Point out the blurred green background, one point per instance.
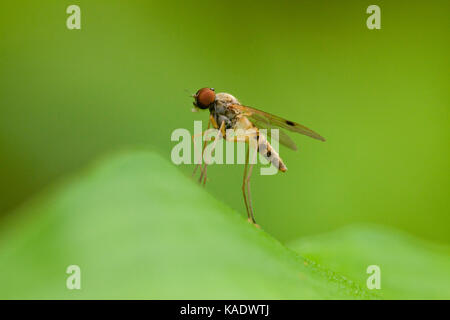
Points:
(380, 97)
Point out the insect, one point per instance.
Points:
(226, 112)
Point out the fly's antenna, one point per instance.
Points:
(189, 93)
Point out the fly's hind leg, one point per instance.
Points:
(249, 195)
(244, 185)
(247, 172)
(246, 188)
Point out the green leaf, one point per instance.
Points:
(138, 228)
(410, 268)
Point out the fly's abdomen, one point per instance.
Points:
(266, 150)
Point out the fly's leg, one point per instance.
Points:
(203, 150)
(216, 138)
(244, 184)
(249, 196)
(247, 172)
(204, 178)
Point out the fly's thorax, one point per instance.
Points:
(222, 102)
(220, 111)
(225, 99)
(222, 115)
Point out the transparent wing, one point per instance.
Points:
(268, 119)
(284, 139)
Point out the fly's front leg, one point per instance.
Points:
(203, 149)
(216, 138)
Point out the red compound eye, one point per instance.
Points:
(205, 97)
